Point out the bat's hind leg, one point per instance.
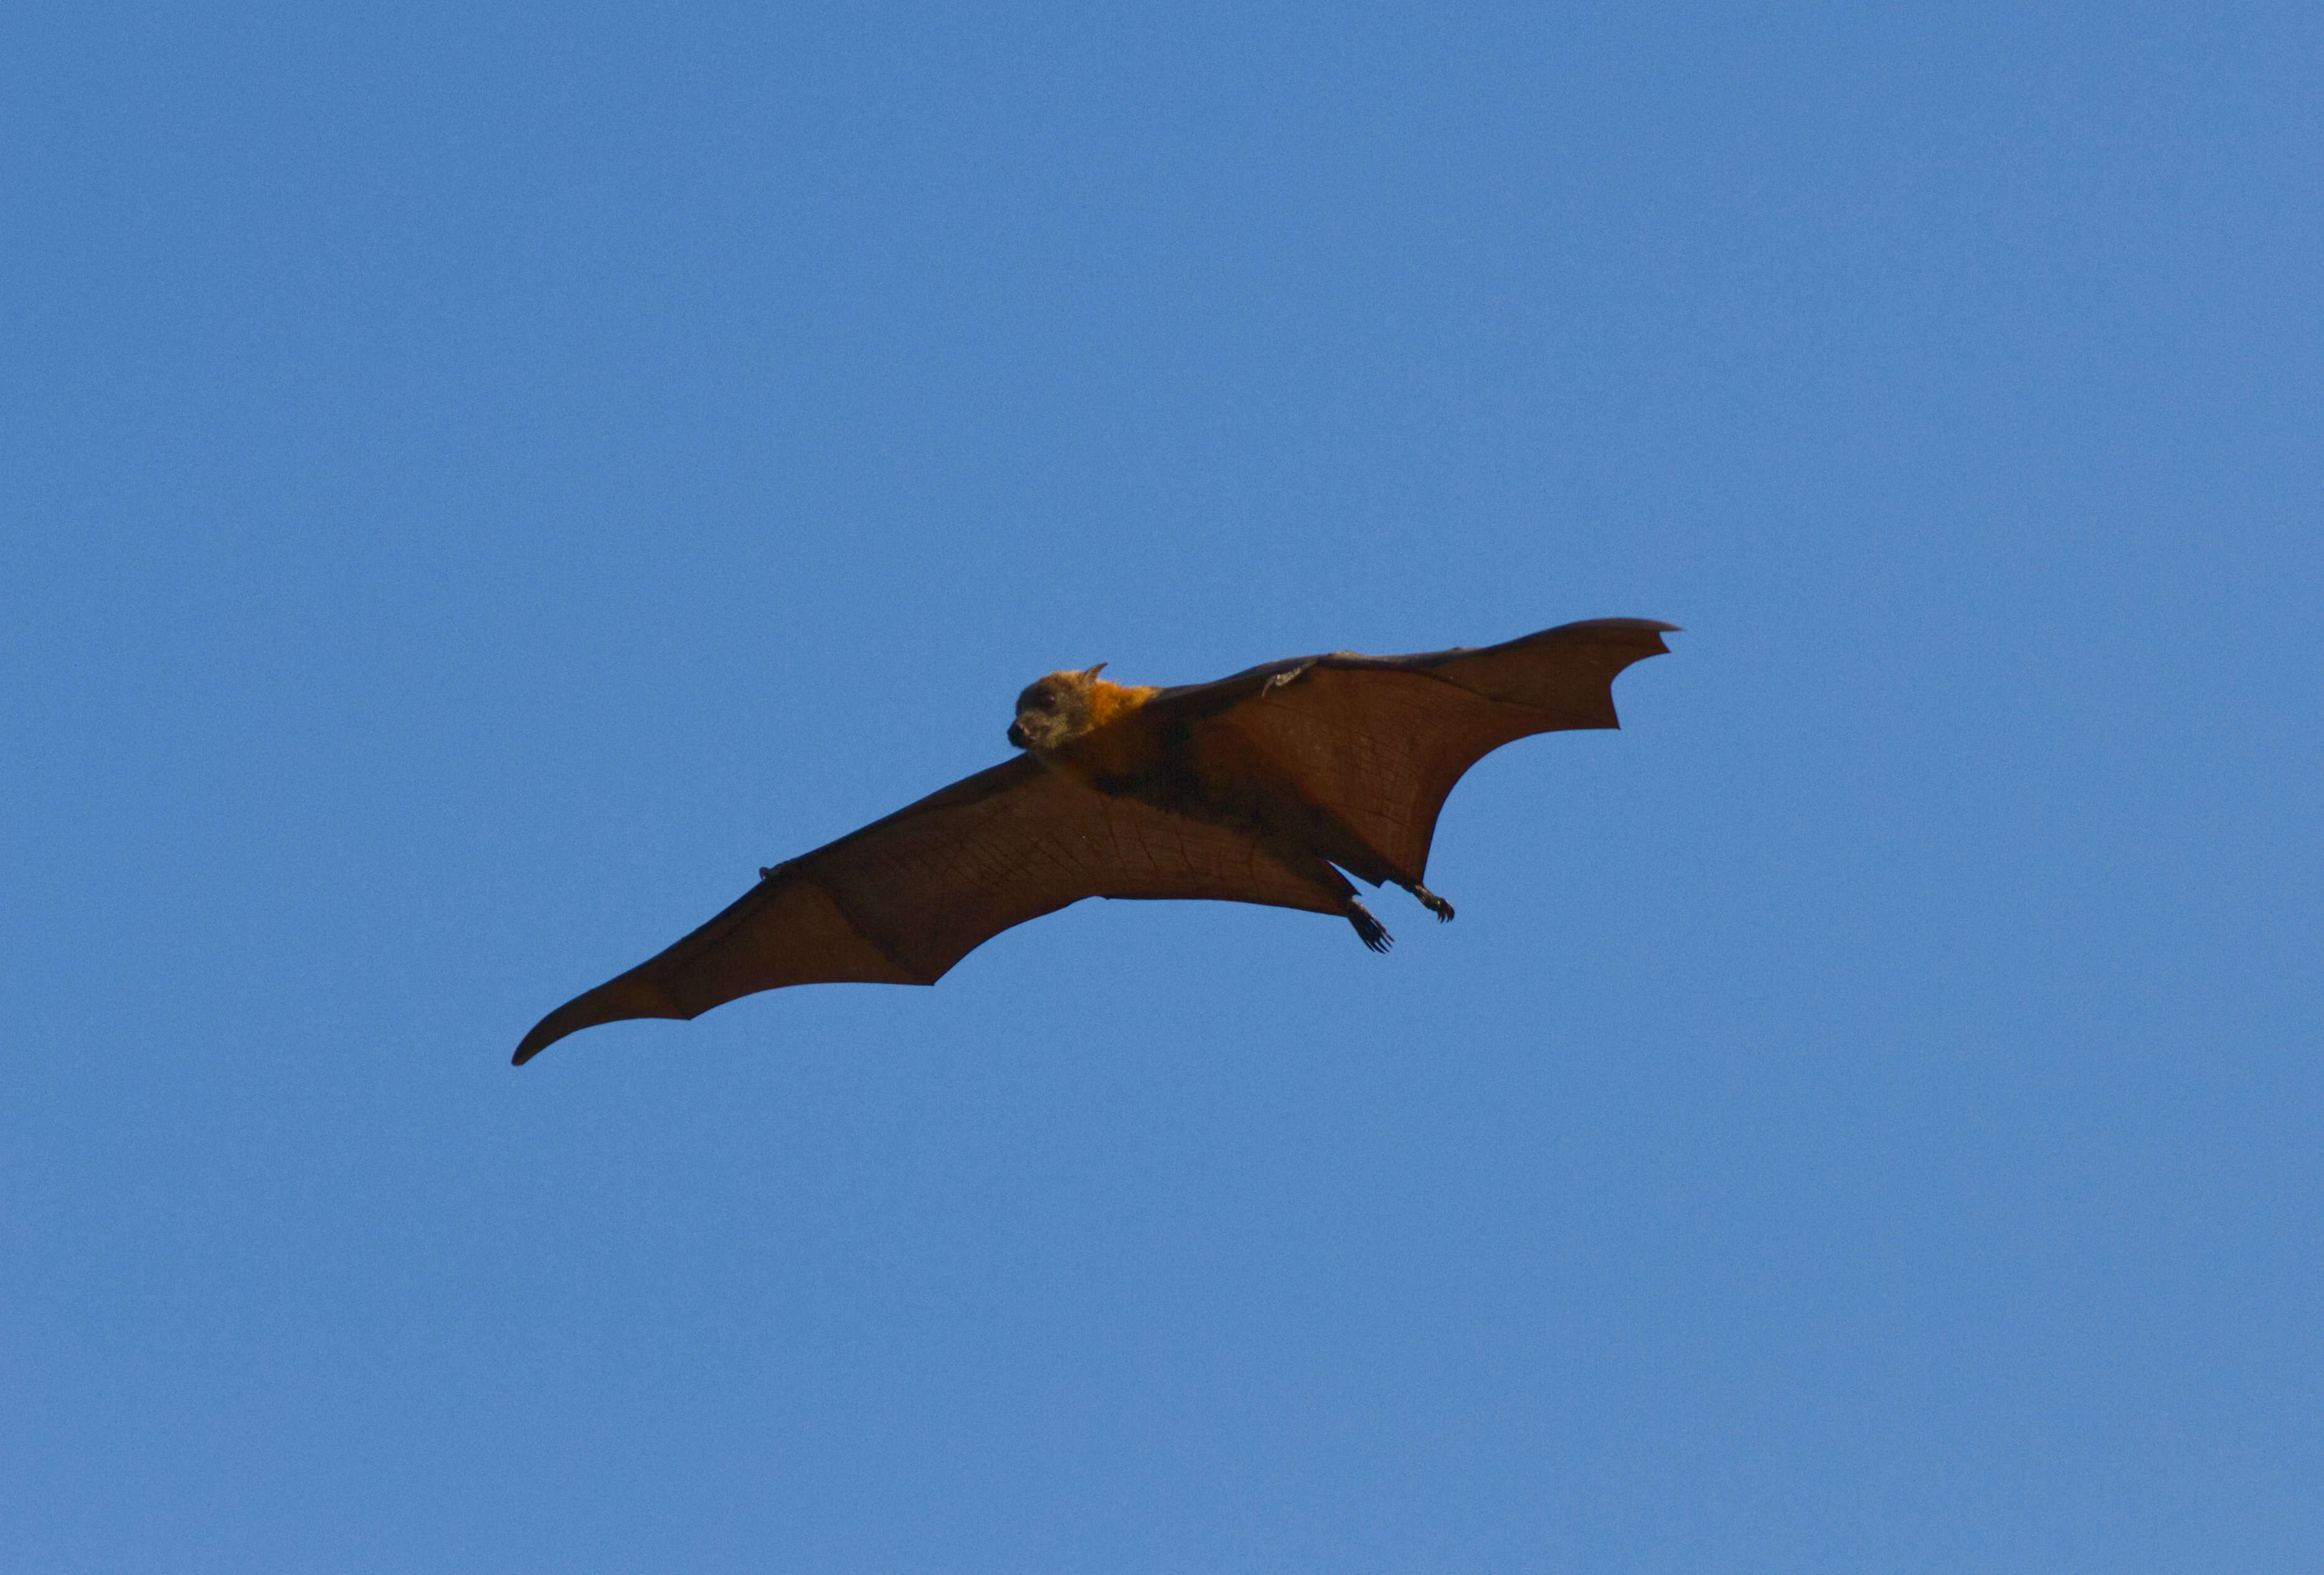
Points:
(1373, 933)
(1429, 901)
(1322, 872)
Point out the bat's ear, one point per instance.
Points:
(1094, 671)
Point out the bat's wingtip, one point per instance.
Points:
(616, 1001)
(534, 1042)
(1616, 628)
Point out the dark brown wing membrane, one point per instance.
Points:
(1377, 744)
(903, 900)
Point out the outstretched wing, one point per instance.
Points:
(903, 900)
(1374, 744)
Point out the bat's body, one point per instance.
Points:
(1110, 740)
(1262, 787)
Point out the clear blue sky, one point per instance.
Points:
(482, 479)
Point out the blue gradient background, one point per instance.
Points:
(481, 479)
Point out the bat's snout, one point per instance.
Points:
(1017, 738)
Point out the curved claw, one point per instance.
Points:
(1432, 902)
(1372, 933)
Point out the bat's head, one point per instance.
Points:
(1053, 712)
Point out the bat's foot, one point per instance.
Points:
(1432, 902)
(1374, 935)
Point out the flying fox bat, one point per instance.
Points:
(1262, 787)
